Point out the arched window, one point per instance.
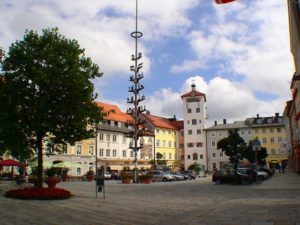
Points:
(195, 156)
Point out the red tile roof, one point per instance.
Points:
(193, 93)
(114, 113)
(160, 122)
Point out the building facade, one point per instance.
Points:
(194, 117)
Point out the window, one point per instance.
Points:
(115, 153)
(272, 140)
(190, 132)
(214, 165)
(213, 134)
(214, 155)
(190, 145)
(164, 143)
(79, 149)
(131, 154)
(200, 121)
(221, 154)
(157, 130)
(189, 156)
(220, 134)
(124, 153)
(199, 144)
(271, 130)
(114, 139)
(279, 139)
(195, 156)
(278, 130)
(170, 155)
(213, 143)
(201, 156)
(189, 110)
(198, 131)
(182, 133)
(197, 110)
(264, 140)
(107, 152)
(100, 136)
(157, 143)
(169, 132)
(194, 121)
(256, 131)
(78, 171)
(91, 149)
(249, 131)
(170, 144)
(107, 137)
(164, 155)
(264, 130)
(124, 139)
(175, 145)
(101, 152)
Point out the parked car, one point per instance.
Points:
(177, 176)
(160, 175)
(242, 176)
(270, 171)
(107, 175)
(261, 175)
(190, 173)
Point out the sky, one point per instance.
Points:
(237, 54)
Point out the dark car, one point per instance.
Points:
(242, 176)
(190, 173)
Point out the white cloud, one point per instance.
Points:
(251, 38)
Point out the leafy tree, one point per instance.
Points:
(234, 146)
(260, 156)
(196, 167)
(47, 96)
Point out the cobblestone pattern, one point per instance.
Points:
(199, 202)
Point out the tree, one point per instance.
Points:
(259, 158)
(233, 146)
(195, 167)
(47, 96)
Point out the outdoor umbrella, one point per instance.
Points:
(67, 164)
(9, 162)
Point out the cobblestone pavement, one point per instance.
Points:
(274, 202)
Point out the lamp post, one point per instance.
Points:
(256, 148)
(136, 98)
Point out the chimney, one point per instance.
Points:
(276, 115)
(148, 112)
(216, 123)
(257, 116)
(224, 121)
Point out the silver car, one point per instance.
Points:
(160, 176)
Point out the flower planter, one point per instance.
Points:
(127, 180)
(147, 180)
(90, 178)
(52, 181)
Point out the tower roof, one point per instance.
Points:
(193, 93)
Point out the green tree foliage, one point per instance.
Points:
(234, 147)
(46, 95)
(260, 156)
(196, 167)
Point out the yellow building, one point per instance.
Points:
(271, 133)
(166, 139)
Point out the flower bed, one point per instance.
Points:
(39, 194)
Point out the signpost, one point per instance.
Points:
(256, 148)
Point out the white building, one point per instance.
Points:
(194, 128)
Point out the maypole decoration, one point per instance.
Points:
(136, 98)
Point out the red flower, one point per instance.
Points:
(39, 193)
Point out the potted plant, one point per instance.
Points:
(64, 174)
(51, 179)
(90, 175)
(146, 178)
(127, 177)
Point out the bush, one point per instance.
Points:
(39, 194)
(196, 167)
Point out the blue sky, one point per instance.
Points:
(238, 53)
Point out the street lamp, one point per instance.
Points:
(256, 148)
